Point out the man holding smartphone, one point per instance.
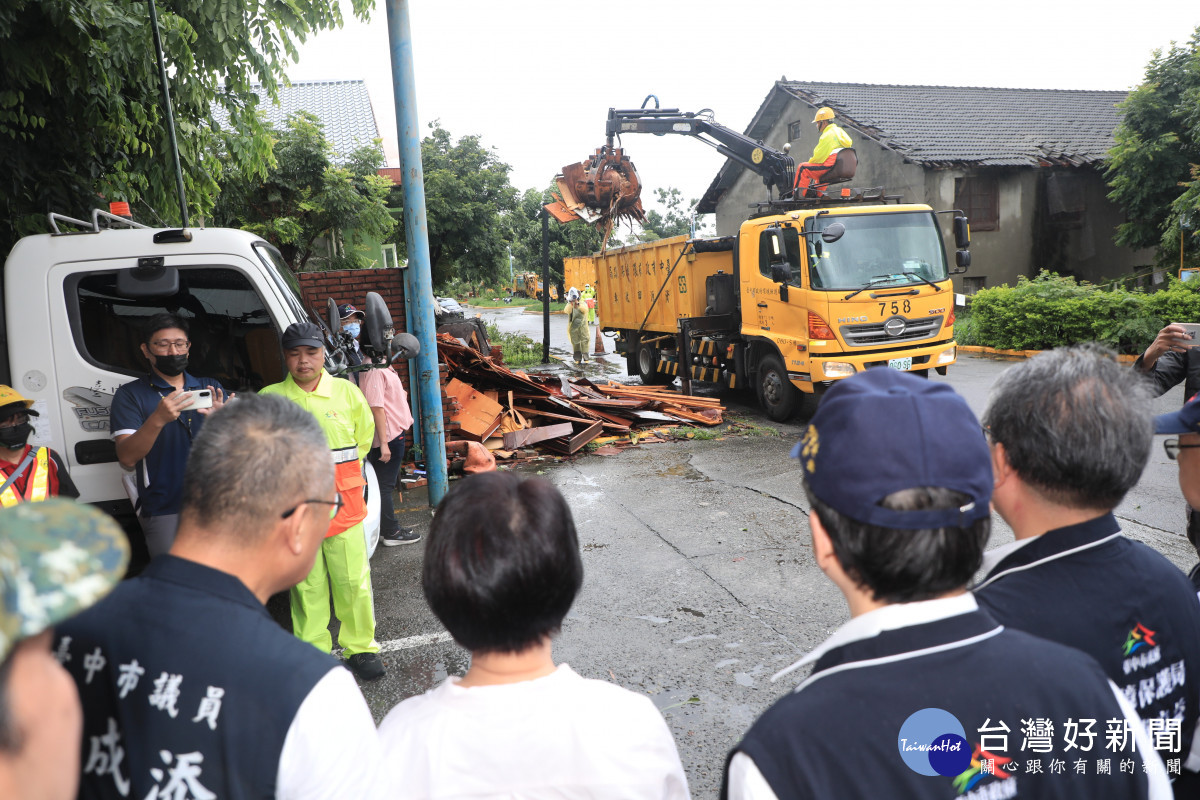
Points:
(1172, 359)
(153, 421)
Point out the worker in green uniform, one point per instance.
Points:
(342, 564)
(588, 295)
(832, 138)
(577, 327)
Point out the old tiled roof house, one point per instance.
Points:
(1026, 165)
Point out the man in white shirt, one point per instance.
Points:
(188, 686)
(922, 693)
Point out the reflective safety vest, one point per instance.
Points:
(37, 485)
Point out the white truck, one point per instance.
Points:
(73, 305)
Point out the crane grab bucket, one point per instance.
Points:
(601, 191)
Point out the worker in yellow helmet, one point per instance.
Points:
(833, 138)
(588, 295)
(27, 472)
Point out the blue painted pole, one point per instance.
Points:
(416, 230)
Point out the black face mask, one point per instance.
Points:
(15, 436)
(171, 365)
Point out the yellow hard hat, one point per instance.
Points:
(8, 396)
(824, 112)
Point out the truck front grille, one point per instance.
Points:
(876, 334)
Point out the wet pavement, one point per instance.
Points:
(699, 580)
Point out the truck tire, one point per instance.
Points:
(776, 394)
(646, 364)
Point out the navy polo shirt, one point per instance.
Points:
(160, 473)
(1119, 601)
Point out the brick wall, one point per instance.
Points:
(351, 286)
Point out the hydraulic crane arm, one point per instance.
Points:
(778, 169)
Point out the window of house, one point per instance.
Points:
(979, 199)
(795, 130)
(233, 337)
(972, 284)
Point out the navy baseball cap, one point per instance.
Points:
(302, 334)
(345, 310)
(882, 431)
(1185, 420)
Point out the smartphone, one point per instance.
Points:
(1193, 330)
(201, 398)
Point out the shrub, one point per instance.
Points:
(1052, 311)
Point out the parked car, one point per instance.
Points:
(450, 305)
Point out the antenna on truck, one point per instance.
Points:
(162, 73)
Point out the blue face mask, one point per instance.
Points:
(352, 328)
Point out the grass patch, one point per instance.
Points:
(518, 349)
(737, 425)
(497, 301)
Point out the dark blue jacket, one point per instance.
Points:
(1119, 601)
(156, 658)
(839, 734)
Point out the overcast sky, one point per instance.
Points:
(535, 78)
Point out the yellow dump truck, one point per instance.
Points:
(529, 284)
(806, 293)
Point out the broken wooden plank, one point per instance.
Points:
(478, 416)
(529, 436)
(573, 444)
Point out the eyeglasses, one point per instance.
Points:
(336, 502)
(167, 345)
(1172, 446)
(14, 420)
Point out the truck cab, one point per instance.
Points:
(71, 314)
(836, 305)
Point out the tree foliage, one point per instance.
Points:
(677, 221)
(81, 116)
(467, 201)
(1154, 168)
(570, 239)
(306, 197)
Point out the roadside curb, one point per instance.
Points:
(1018, 355)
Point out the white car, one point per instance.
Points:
(450, 305)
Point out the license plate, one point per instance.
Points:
(902, 364)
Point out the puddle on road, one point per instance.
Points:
(685, 471)
(675, 700)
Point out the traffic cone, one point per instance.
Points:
(599, 347)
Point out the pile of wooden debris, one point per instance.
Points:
(511, 411)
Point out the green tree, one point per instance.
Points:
(467, 202)
(570, 239)
(1153, 169)
(675, 222)
(81, 117)
(306, 197)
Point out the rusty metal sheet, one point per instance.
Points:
(478, 416)
(529, 436)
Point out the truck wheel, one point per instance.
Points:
(647, 366)
(776, 394)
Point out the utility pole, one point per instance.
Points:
(545, 215)
(416, 229)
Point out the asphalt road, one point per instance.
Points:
(699, 581)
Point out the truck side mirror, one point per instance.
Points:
(781, 273)
(963, 259)
(962, 233)
(832, 233)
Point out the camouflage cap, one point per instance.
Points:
(57, 558)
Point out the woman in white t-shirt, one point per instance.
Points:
(502, 569)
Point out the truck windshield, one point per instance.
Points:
(877, 250)
(285, 281)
